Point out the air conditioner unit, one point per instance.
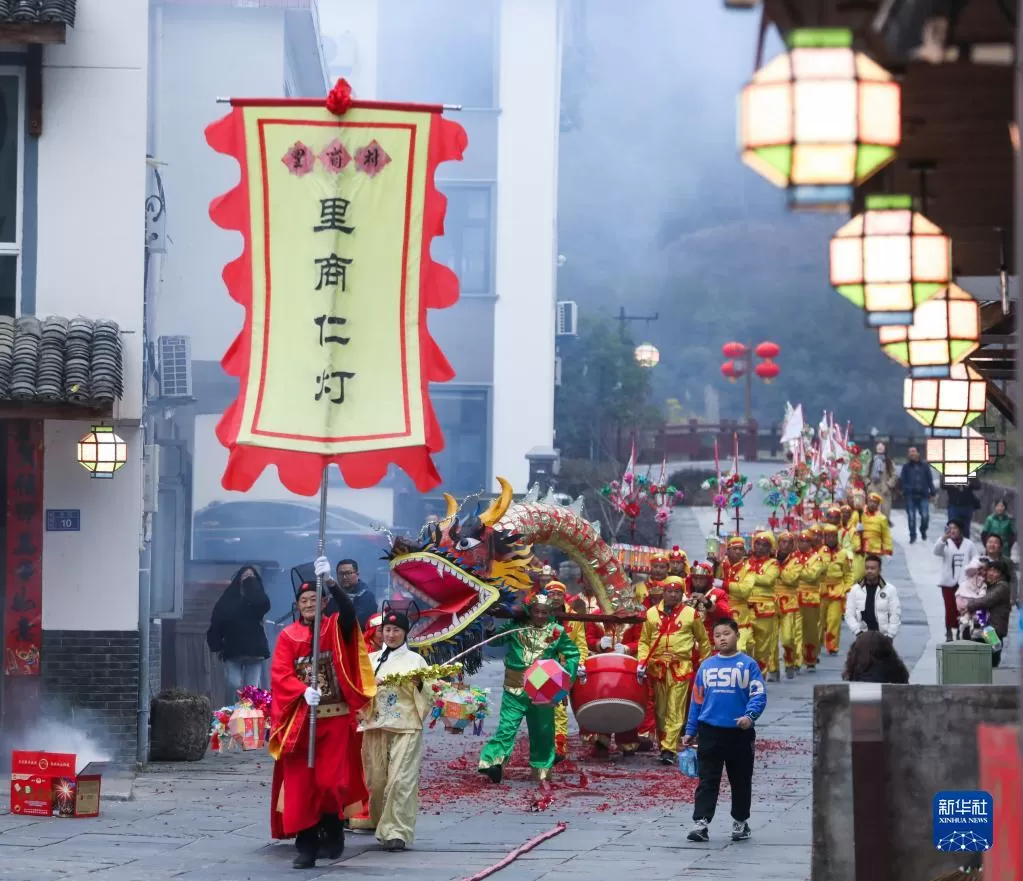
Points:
(175, 366)
(566, 318)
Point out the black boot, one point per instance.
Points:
(307, 843)
(332, 843)
(495, 772)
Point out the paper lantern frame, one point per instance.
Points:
(945, 331)
(946, 405)
(101, 452)
(647, 355)
(890, 259)
(820, 119)
(958, 459)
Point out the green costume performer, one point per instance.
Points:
(542, 638)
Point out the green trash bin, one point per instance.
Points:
(964, 662)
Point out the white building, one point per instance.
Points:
(72, 191)
(501, 61)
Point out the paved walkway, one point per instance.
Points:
(208, 820)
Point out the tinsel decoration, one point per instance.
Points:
(433, 672)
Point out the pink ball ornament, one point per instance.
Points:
(547, 683)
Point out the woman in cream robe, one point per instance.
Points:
(392, 746)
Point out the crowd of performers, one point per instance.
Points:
(786, 592)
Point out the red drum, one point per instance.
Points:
(612, 699)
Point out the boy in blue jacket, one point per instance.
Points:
(728, 697)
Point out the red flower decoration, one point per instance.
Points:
(339, 99)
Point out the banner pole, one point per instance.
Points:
(314, 669)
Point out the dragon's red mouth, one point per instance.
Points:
(453, 598)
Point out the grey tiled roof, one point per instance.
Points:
(54, 359)
(38, 12)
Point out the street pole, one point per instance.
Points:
(1019, 321)
(317, 620)
(749, 383)
(622, 318)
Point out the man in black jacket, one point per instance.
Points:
(358, 592)
(918, 488)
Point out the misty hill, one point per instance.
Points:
(658, 214)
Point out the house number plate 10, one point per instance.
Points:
(66, 520)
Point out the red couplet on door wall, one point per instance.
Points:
(23, 604)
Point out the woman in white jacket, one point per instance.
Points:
(873, 604)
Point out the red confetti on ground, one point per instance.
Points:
(586, 782)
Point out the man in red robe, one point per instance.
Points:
(309, 803)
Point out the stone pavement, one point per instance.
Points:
(209, 819)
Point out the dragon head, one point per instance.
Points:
(460, 570)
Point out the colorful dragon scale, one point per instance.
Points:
(464, 569)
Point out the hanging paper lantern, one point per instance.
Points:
(889, 259)
(730, 371)
(945, 330)
(820, 119)
(958, 459)
(547, 682)
(101, 452)
(646, 355)
(946, 405)
(767, 370)
(767, 350)
(733, 350)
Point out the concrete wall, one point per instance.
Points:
(930, 734)
(91, 198)
(92, 177)
(527, 217)
(91, 577)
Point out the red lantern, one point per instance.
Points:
(767, 370)
(733, 350)
(768, 350)
(728, 369)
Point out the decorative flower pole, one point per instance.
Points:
(633, 491)
(729, 490)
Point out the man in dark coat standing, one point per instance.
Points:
(918, 489)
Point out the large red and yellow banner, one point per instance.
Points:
(337, 213)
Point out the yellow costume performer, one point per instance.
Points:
(576, 631)
(876, 534)
(678, 562)
(810, 598)
(671, 632)
(758, 578)
(392, 746)
(870, 534)
(729, 571)
(836, 579)
(786, 592)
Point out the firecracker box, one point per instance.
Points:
(49, 785)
